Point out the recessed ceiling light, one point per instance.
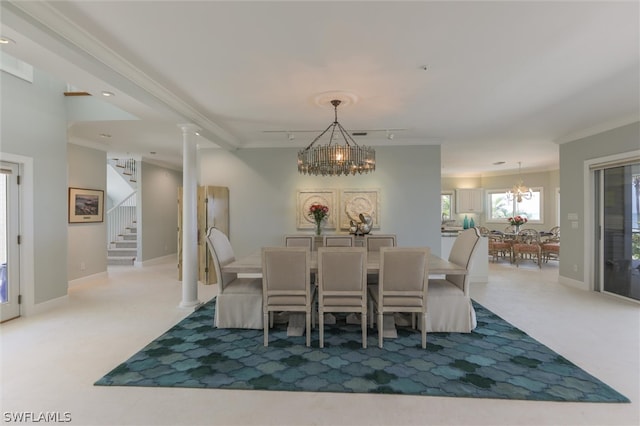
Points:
(107, 93)
(105, 135)
(497, 163)
(6, 40)
(197, 133)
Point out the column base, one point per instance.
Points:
(190, 304)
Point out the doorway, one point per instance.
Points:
(9, 241)
(618, 220)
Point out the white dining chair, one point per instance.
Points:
(338, 241)
(342, 284)
(300, 240)
(373, 242)
(402, 286)
(239, 300)
(285, 284)
(449, 307)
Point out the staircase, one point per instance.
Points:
(122, 177)
(123, 251)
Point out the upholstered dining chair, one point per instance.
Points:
(373, 242)
(527, 246)
(338, 241)
(402, 286)
(449, 307)
(239, 300)
(285, 284)
(299, 240)
(342, 284)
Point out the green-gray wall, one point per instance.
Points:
(158, 205)
(572, 162)
(263, 182)
(34, 125)
(87, 242)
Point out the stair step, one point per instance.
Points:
(122, 252)
(126, 244)
(120, 260)
(129, 237)
(132, 230)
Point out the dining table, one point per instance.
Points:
(252, 264)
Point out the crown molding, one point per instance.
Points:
(42, 22)
(600, 128)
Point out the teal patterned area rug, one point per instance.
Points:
(496, 360)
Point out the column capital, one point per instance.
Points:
(189, 128)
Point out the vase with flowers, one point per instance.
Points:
(318, 212)
(517, 221)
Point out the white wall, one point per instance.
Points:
(34, 125)
(87, 248)
(158, 211)
(263, 182)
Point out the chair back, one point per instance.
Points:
(285, 272)
(528, 236)
(510, 229)
(299, 240)
(375, 242)
(342, 270)
(222, 254)
(461, 253)
(337, 241)
(404, 272)
(484, 231)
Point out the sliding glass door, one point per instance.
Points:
(620, 230)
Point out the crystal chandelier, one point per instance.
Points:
(335, 159)
(519, 191)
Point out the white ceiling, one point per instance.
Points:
(505, 81)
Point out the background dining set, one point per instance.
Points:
(526, 244)
(376, 283)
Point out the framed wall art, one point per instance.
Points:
(356, 201)
(86, 205)
(306, 197)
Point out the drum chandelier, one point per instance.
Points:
(335, 158)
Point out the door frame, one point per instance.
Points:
(593, 244)
(26, 248)
(11, 308)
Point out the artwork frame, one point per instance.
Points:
(356, 201)
(306, 197)
(86, 205)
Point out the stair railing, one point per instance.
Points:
(120, 217)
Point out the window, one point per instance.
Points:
(500, 208)
(446, 205)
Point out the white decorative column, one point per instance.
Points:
(189, 217)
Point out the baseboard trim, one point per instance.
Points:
(83, 280)
(157, 260)
(570, 282)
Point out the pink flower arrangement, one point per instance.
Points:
(318, 212)
(518, 220)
